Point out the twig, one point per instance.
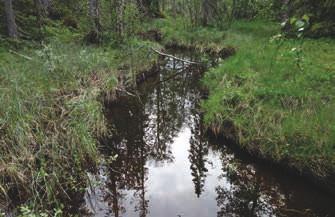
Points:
(125, 91)
(172, 76)
(176, 58)
(21, 55)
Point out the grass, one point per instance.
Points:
(51, 115)
(278, 95)
(179, 31)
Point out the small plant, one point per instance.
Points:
(26, 211)
(299, 28)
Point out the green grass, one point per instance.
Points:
(280, 100)
(51, 115)
(178, 30)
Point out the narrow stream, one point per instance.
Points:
(167, 167)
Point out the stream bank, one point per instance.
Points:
(160, 162)
(272, 107)
(52, 117)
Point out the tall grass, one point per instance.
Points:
(51, 116)
(279, 100)
(49, 119)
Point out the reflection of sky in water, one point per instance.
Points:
(171, 188)
(164, 157)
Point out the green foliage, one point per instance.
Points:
(322, 18)
(25, 211)
(278, 110)
(222, 13)
(132, 19)
(178, 31)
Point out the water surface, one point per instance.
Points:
(167, 167)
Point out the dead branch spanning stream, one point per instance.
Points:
(173, 57)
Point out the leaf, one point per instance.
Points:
(300, 24)
(293, 20)
(306, 18)
(301, 29)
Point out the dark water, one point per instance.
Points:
(167, 167)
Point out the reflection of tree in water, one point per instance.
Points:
(245, 194)
(144, 130)
(181, 103)
(198, 152)
(128, 171)
(161, 125)
(167, 107)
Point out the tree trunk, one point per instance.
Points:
(285, 13)
(95, 15)
(120, 6)
(40, 12)
(10, 17)
(174, 8)
(154, 10)
(46, 5)
(205, 12)
(149, 7)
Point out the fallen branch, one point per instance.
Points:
(21, 55)
(125, 91)
(173, 57)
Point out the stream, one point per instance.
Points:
(160, 163)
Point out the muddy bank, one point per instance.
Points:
(217, 52)
(228, 134)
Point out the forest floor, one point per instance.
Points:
(275, 97)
